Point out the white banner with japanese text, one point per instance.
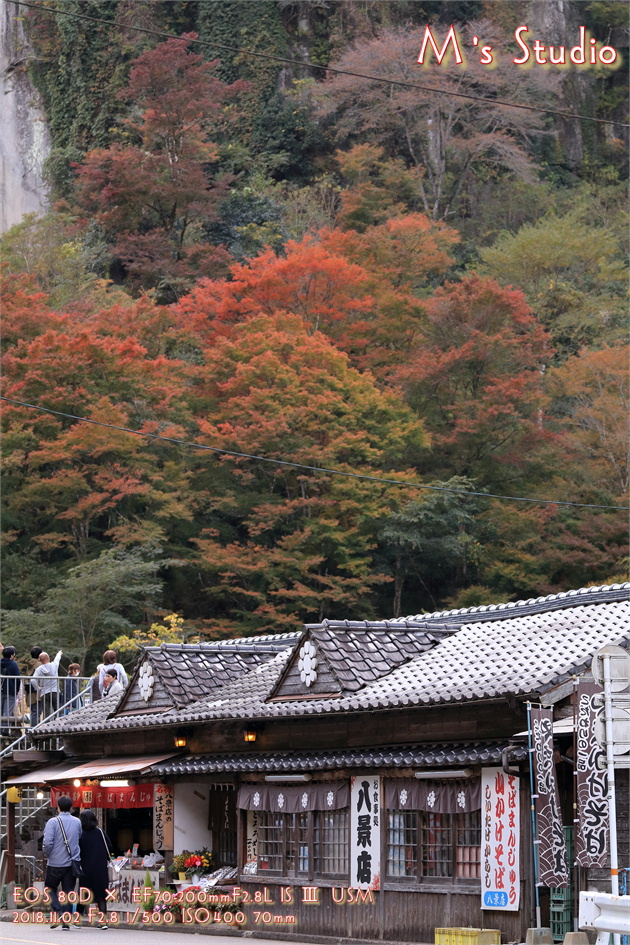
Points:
(365, 832)
(500, 841)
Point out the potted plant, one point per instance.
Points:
(199, 864)
(177, 866)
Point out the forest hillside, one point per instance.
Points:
(351, 343)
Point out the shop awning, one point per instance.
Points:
(107, 767)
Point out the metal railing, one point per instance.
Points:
(59, 700)
(30, 805)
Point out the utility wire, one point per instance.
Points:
(317, 469)
(312, 65)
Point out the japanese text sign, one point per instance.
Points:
(500, 840)
(365, 832)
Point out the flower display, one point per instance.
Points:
(199, 863)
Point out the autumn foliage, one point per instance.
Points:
(308, 400)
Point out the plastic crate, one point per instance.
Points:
(460, 936)
(560, 921)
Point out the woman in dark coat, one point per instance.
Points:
(95, 850)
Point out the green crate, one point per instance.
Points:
(560, 921)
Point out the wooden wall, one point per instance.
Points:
(417, 725)
(396, 915)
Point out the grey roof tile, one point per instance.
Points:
(517, 650)
(421, 756)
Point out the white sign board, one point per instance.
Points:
(130, 880)
(365, 832)
(500, 841)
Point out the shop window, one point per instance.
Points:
(289, 843)
(296, 831)
(402, 842)
(331, 842)
(283, 846)
(432, 846)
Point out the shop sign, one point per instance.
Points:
(120, 798)
(162, 816)
(251, 849)
(124, 882)
(500, 841)
(365, 832)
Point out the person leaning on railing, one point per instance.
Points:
(47, 685)
(71, 689)
(110, 661)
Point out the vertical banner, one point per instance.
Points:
(552, 854)
(365, 832)
(251, 849)
(500, 840)
(591, 839)
(163, 816)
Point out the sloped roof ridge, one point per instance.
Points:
(281, 640)
(573, 598)
(398, 623)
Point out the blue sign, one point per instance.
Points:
(495, 900)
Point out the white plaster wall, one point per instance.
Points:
(191, 805)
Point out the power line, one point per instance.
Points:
(312, 65)
(316, 469)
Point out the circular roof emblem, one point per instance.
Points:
(146, 681)
(308, 663)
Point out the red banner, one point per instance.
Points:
(135, 795)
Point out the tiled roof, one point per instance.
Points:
(515, 649)
(358, 657)
(193, 672)
(92, 716)
(427, 756)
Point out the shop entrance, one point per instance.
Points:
(126, 827)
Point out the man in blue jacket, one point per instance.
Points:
(60, 855)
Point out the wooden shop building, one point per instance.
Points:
(368, 780)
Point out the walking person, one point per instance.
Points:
(95, 848)
(46, 681)
(110, 661)
(61, 847)
(10, 672)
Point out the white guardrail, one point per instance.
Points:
(605, 913)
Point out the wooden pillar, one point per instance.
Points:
(10, 852)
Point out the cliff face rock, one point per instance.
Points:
(25, 140)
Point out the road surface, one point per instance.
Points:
(31, 934)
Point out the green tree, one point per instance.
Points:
(574, 274)
(435, 540)
(94, 600)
